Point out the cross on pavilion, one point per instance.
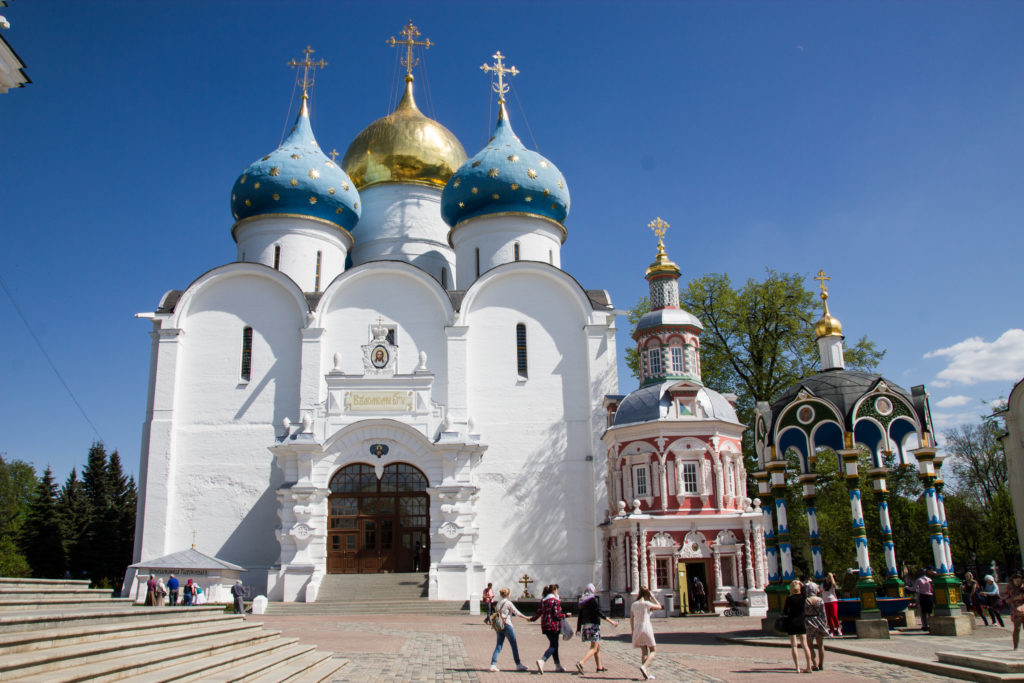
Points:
(526, 581)
(501, 87)
(659, 227)
(822, 278)
(410, 33)
(307, 64)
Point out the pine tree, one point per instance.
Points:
(74, 512)
(97, 539)
(17, 483)
(121, 519)
(42, 539)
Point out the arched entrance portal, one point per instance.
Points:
(378, 525)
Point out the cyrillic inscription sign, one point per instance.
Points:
(378, 401)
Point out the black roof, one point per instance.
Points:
(842, 388)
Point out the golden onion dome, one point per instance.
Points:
(404, 147)
(828, 326)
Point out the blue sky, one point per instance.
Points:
(879, 141)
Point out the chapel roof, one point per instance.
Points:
(187, 559)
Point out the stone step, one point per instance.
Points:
(39, 584)
(418, 606)
(229, 665)
(28, 641)
(137, 661)
(22, 603)
(310, 668)
(25, 594)
(65, 654)
(11, 622)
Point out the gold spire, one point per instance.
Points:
(827, 325)
(661, 263)
(307, 79)
(501, 87)
(410, 33)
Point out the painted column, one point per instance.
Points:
(893, 584)
(738, 566)
(777, 470)
(623, 561)
(663, 478)
(749, 564)
(642, 550)
(866, 586)
(810, 491)
(939, 485)
(945, 585)
(634, 565)
(771, 552)
(716, 563)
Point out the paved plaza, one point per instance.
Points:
(458, 648)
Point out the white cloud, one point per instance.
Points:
(954, 401)
(974, 360)
(943, 421)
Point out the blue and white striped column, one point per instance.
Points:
(810, 492)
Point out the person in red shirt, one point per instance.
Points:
(489, 601)
(551, 616)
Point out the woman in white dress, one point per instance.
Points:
(643, 632)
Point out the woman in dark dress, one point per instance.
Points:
(796, 627)
(589, 623)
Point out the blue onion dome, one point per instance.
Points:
(297, 178)
(505, 177)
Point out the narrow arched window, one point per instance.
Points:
(551, 257)
(515, 251)
(677, 360)
(521, 366)
(444, 278)
(246, 372)
(654, 361)
(277, 257)
(319, 262)
(478, 262)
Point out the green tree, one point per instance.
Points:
(74, 511)
(121, 519)
(97, 537)
(42, 539)
(977, 460)
(17, 484)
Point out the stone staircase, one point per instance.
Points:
(64, 631)
(370, 594)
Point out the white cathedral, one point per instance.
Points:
(394, 374)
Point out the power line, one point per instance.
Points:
(49, 360)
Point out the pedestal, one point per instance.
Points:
(894, 587)
(873, 628)
(757, 603)
(953, 625)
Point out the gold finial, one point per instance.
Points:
(501, 87)
(307, 64)
(334, 155)
(410, 33)
(661, 262)
(193, 539)
(827, 325)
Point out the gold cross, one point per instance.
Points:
(411, 33)
(193, 539)
(821, 278)
(659, 227)
(526, 581)
(307, 64)
(333, 155)
(501, 87)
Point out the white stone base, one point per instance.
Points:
(294, 583)
(757, 603)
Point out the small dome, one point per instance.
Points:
(653, 402)
(665, 317)
(297, 178)
(828, 326)
(505, 177)
(404, 147)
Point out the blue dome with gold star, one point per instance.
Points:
(505, 177)
(297, 178)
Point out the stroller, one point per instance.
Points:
(736, 608)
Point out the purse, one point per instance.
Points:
(566, 629)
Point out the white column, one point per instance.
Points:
(717, 561)
(458, 372)
(663, 476)
(634, 564)
(642, 547)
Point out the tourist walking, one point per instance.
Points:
(489, 602)
(925, 597)
(588, 624)
(700, 596)
(551, 616)
(501, 621)
(640, 625)
(831, 600)
(1015, 600)
(238, 593)
(172, 591)
(816, 624)
(993, 601)
(971, 591)
(796, 625)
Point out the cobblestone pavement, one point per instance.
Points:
(458, 648)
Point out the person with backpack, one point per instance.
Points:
(501, 622)
(551, 616)
(589, 622)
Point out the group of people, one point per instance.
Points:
(158, 593)
(554, 624)
(988, 598)
(809, 616)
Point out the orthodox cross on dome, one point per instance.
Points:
(501, 87)
(307, 64)
(659, 227)
(410, 33)
(822, 279)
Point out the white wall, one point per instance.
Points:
(299, 239)
(495, 237)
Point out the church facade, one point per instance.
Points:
(394, 373)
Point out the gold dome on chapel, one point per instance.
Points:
(827, 325)
(404, 147)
